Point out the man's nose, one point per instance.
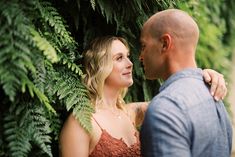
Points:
(141, 58)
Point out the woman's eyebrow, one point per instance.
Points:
(122, 53)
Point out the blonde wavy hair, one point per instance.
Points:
(98, 65)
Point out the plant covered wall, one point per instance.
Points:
(41, 64)
(39, 78)
(214, 50)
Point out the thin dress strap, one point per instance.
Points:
(97, 123)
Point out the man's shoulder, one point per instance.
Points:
(182, 93)
(185, 87)
(186, 77)
(164, 102)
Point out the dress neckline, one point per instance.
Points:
(105, 133)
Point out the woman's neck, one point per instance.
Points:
(110, 97)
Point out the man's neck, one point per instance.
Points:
(175, 67)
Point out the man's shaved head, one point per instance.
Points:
(175, 22)
(168, 39)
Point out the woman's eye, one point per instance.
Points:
(119, 58)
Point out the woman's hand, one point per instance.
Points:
(218, 85)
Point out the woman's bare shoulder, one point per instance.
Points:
(72, 128)
(74, 139)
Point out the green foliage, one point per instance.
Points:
(15, 55)
(68, 88)
(212, 52)
(26, 124)
(50, 16)
(36, 49)
(43, 45)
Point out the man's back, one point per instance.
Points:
(184, 120)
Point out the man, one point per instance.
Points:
(183, 120)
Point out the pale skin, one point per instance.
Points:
(76, 142)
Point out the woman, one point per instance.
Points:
(108, 75)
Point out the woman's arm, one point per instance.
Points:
(218, 90)
(74, 140)
(137, 111)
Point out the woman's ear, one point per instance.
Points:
(166, 42)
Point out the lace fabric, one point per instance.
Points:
(109, 146)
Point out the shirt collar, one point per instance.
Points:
(189, 72)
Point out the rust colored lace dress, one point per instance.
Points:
(109, 146)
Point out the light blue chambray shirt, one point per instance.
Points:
(184, 120)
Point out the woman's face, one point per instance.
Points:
(121, 75)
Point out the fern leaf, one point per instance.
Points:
(42, 97)
(51, 16)
(70, 89)
(17, 137)
(10, 84)
(26, 125)
(83, 115)
(72, 66)
(93, 4)
(64, 92)
(44, 46)
(41, 134)
(72, 99)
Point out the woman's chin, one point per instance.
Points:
(130, 83)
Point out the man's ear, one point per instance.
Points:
(166, 42)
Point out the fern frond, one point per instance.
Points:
(106, 8)
(83, 114)
(40, 135)
(41, 96)
(56, 125)
(39, 77)
(93, 4)
(50, 15)
(74, 95)
(43, 45)
(72, 66)
(68, 88)
(51, 31)
(15, 53)
(26, 125)
(16, 136)
(10, 82)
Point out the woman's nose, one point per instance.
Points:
(129, 63)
